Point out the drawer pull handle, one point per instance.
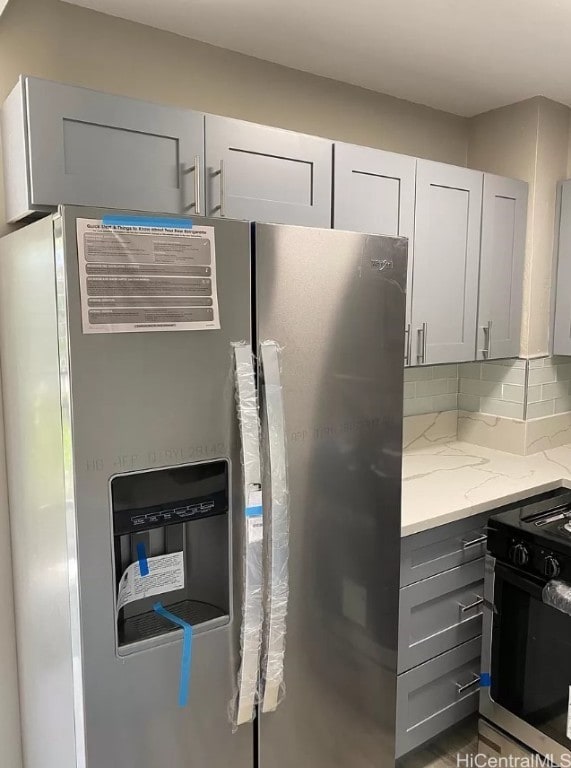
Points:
(461, 688)
(478, 601)
(474, 542)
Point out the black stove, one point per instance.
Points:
(535, 535)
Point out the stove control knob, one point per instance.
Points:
(551, 567)
(519, 554)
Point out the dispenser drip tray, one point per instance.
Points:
(148, 625)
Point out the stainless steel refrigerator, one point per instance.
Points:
(133, 441)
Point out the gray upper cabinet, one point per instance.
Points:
(504, 223)
(74, 145)
(267, 174)
(446, 263)
(374, 192)
(562, 331)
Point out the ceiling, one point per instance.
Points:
(463, 56)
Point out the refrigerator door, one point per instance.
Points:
(145, 401)
(335, 303)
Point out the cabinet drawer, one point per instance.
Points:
(439, 549)
(437, 694)
(439, 613)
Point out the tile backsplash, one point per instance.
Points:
(514, 389)
(430, 389)
(497, 387)
(549, 387)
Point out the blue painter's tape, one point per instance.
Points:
(186, 660)
(254, 511)
(485, 680)
(143, 562)
(158, 222)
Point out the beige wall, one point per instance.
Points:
(528, 140)
(64, 42)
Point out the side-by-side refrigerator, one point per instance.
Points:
(204, 435)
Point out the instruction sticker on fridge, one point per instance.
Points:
(166, 573)
(138, 277)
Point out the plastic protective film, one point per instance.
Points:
(243, 708)
(557, 594)
(277, 529)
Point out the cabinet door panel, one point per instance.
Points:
(90, 148)
(504, 222)
(446, 262)
(267, 174)
(374, 192)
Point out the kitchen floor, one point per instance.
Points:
(443, 752)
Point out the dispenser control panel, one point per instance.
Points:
(146, 500)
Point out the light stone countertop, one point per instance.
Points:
(446, 480)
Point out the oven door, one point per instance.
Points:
(527, 658)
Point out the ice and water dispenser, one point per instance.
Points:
(171, 535)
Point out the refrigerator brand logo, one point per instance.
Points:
(381, 264)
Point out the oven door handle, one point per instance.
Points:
(524, 581)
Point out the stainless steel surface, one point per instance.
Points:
(252, 608)
(467, 544)
(277, 527)
(478, 601)
(137, 401)
(421, 343)
(466, 686)
(408, 344)
(339, 321)
(197, 185)
(42, 557)
(70, 505)
(514, 726)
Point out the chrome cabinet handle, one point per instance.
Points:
(487, 351)
(197, 186)
(408, 345)
(221, 207)
(461, 688)
(474, 542)
(274, 642)
(421, 342)
(478, 601)
(252, 612)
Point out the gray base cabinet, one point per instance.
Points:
(267, 174)
(74, 145)
(440, 626)
(437, 694)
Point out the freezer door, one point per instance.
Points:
(146, 401)
(335, 303)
